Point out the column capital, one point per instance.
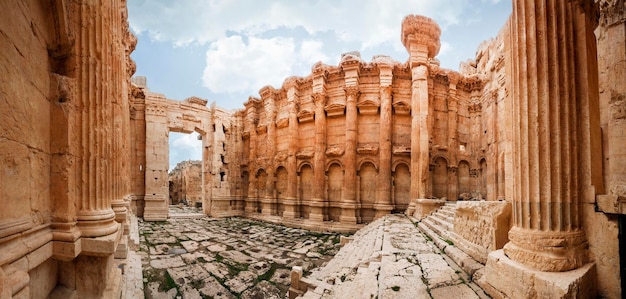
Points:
(319, 99)
(352, 92)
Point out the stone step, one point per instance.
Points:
(443, 224)
(444, 216)
(438, 229)
(447, 212)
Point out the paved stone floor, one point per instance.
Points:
(191, 257)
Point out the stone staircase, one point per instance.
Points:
(439, 226)
(441, 221)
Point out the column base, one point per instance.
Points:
(317, 210)
(349, 213)
(425, 206)
(382, 210)
(506, 278)
(266, 206)
(290, 208)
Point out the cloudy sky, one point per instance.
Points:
(226, 50)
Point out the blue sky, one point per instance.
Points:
(225, 51)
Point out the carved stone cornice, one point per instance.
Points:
(196, 100)
(282, 123)
(367, 149)
(305, 154)
(401, 150)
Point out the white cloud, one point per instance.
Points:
(184, 147)
(368, 22)
(234, 65)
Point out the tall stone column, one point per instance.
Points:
(268, 202)
(383, 204)
(250, 123)
(348, 201)
(453, 140)
(420, 36)
(554, 87)
(291, 204)
(317, 204)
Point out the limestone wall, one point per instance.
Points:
(64, 146)
(185, 183)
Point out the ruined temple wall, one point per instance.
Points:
(64, 146)
(185, 183)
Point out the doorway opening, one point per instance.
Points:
(185, 169)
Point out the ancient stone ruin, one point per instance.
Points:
(514, 166)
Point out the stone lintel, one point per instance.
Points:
(505, 278)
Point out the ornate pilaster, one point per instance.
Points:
(317, 203)
(348, 201)
(383, 204)
(268, 202)
(291, 204)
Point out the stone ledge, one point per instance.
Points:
(505, 278)
(102, 246)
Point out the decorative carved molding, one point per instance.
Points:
(305, 116)
(401, 150)
(282, 123)
(367, 149)
(401, 108)
(306, 153)
(335, 109)
(368, 107)
(196, 100)
(334, 151)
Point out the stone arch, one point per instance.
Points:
(433, 160)
(333, 161)
(440, 178)
(305, 188)
(304, 164)
(463, 173)
(367, 160)
(335, 186)
(367, 176)
(401, 177)
(399, 162)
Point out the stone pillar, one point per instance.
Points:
(291, 204)
(250, 123)
(349, 207)
(420, 36)
(453, 140)
(383, 204)
(317, 203)
(268, 202)
(157, 152)
(554, 78)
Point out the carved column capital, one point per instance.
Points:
(352, 92)
(319, 99)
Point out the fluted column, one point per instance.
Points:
(291, 204)
(267, 203)
(383, 204)
(554, 78)
(319, 159)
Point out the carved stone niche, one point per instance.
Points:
(334, 151)
(335, 109)
(367, 149)
(368, 107)
(401, 150)
(305, 116)
(401, 108)
(261, 129)
(282, 123)
(305, 153)
(245, 135)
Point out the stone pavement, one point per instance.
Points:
(226, 258)
(390, 258)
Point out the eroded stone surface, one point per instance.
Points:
(220, 261)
